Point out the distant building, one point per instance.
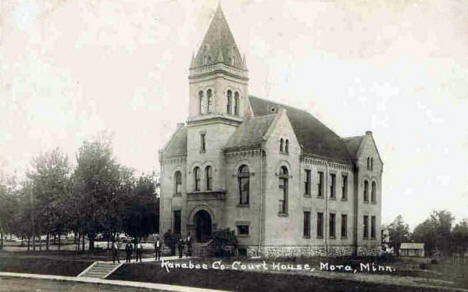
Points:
(286, 183)
(411, 249)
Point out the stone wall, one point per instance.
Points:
(308, 251)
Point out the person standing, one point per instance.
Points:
(157, 249)
(128, 251)
(189, 245)
(139, 251)
(180, 246)
(115, 252)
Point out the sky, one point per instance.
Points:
(71, 69)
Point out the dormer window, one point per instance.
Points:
(286, 146)
(281, 145)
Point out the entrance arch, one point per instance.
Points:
(202, 222)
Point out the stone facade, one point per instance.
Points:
(297, 168)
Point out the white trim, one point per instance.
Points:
(113, 270)
(87, 269)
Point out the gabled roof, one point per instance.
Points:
(353, 144)
(250, 133)
(219, 45)
(177, 145)
(315, 138)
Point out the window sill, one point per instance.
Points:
(202, 151)
(366, 202)
(177, 195)
(280, 214)
(374, 203)
(306, 236)
(333, 198)
(307, 196)
(319, 197)
(243, 206)
(242, 235)
(319, 237)
(344, 237)
(332, 237)
(344, 199)
(284, 153)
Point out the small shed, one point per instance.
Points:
(412, 249)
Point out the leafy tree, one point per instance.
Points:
(399, 232)
(96, 180)
(50, 177)
(460, 237)
(435, 232)
(140, 217)
(8, 207)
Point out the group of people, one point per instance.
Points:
(129, 249)
(182, 242)
(158, 246)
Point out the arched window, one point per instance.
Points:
(178, 182)
(209, 95)
(281, 145)
(366, 191)
(236, 103)
(202, 101)
(196, 176)
(244, 184)
(229, 102)
(283, 185)
(286, 147)
(209, 178)
(373, 192)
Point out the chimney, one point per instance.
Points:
(368, 133)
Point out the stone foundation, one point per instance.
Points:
(309, 251)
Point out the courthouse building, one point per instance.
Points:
(284, 182)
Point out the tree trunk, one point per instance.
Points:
(29, 242)
(34, 242)
(47, 241)
(83, 249)
(77, 242)
(1, 240)
(59, 235)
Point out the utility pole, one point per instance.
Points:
(32, 216)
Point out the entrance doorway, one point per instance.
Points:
(203, 225)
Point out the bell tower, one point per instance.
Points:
(218, 76)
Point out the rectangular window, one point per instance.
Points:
(320, 184)
(177, 222)
(332, 225)
(203, 142)
(344, 188)
(307, 183)
(344, 226)
(333, 186)
(242, 229)
(373, 227)
(306, 224)
(366, 227)
(320, 224)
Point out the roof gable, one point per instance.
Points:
(353, 144)
(250, 133)
(314, 137)
(177, 145)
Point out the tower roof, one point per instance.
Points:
(219, 45)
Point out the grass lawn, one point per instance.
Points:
(247, 281)
(42, 263)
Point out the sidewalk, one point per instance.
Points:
(152, 286)
(151, 259)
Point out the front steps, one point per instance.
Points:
(100, 270)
